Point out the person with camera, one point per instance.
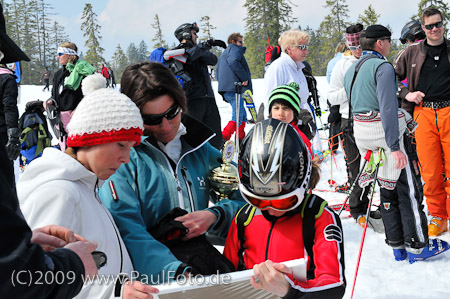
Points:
(201, 103)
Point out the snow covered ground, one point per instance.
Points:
(380, 276)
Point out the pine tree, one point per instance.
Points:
(159, 38)
(206, 28)
(330, 33)
(265, 18)
(91, 31)
(57, 36)
(370, 17)
(119, 62)
(143, 52)
(27, 23)
(439, 4)
(132, 53)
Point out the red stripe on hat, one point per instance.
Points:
(132, 134)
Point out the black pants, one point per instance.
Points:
(206, 111)
(47, 82)
(402, 210)
(8, 169)
(359, 199)
(334, 119)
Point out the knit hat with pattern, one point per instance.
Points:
(286, 95)
(103, 116)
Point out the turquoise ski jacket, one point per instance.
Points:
(150, 185)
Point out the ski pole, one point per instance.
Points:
(372, 191)
(237, 87)
(366, 159)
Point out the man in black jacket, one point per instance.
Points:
(9, 115)
(201, 102)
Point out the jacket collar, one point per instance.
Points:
(292, 64)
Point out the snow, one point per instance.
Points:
(380, 276)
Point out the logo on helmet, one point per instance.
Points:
(268, 174)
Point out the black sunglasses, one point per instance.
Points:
(156, 119)
(386, 38)
(431, 26)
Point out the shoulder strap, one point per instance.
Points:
(312, 209)
(358, 66)
(243, 218)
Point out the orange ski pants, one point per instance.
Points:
(433, 150)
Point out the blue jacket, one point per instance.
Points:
(146, 189)
(233, 67)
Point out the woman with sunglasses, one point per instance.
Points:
(288, 68)
(167, 170)
(282, 221)
(66, 89)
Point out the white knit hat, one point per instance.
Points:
(103, 116)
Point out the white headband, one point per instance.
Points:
(67, 51)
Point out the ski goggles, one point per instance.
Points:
(303, 47)
(283, 202)
(354, 48)
(431, 26)
(156, 119)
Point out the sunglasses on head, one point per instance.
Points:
(354, 48)
(431, 26)
(284, 202)
(156, 119)
(303, 47)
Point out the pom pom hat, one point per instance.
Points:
(103, 116)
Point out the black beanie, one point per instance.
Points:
(377, 31)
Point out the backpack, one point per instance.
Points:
(35, 135)
(268, 52)
(174, 60)
(311, 208)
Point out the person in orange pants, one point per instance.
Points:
(426, 65)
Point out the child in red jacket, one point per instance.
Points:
(283, 221)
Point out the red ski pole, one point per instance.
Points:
(366, 159)
(365, 225)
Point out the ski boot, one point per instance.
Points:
(229, 130)
(437, 226)
(400, 254)
(241, 131)
(434, 247)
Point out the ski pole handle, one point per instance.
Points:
(237, 87)
(368, 154)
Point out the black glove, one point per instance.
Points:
(318, 112)
(13, 145)
(216, 43)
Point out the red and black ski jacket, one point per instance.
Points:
(283, 239)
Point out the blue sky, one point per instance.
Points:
(126, 21)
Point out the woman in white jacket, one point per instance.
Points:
(338, 96)
(61, 187)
